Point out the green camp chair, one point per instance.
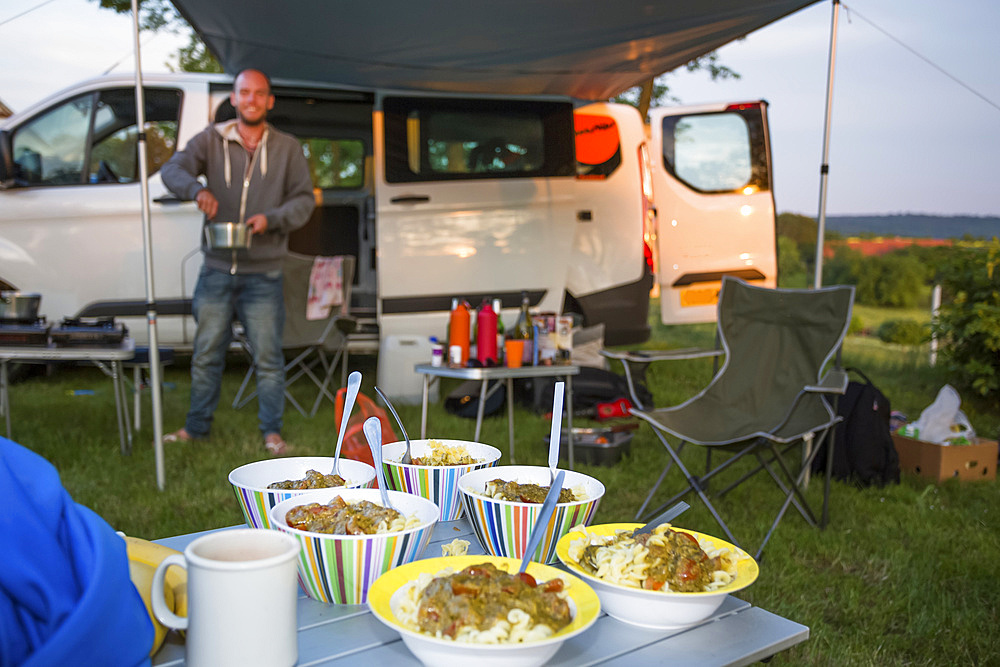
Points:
(776, 389)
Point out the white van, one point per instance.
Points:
(437, 196)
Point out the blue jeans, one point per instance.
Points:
(257, 300)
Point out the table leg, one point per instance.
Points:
(4, 394)
(510, 416)
(423, 409)
(482, 408)
(569, 418)
(121, 412)
(137, 395)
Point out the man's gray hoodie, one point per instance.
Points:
(277, 184)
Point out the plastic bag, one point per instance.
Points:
(942, 422)
(355, 444)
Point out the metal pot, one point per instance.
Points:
(227, 235)
(19, 306)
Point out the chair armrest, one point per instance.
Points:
(645, 357)
(834, 382)
(649, 356)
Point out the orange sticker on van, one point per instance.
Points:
(596, 138)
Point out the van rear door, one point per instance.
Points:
(712, 188)
(474, 199)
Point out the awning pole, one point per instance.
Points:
(155, 380)
(824, 169)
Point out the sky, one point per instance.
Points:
(905, 136)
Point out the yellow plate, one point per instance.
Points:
(747, 569)
(588, 606)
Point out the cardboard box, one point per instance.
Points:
(940, 462)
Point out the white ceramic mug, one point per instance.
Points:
(242, 598)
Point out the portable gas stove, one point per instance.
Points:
(17, 332)
(87, 331)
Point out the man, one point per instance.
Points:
(258, 176)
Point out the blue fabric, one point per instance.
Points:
(257, 301)
(65, 593)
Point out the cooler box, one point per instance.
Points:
(397, 356)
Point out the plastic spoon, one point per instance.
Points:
(373, 433)
(353, 385)
(548, 506)
(556, 433)
(406, 455)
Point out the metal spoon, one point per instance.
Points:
(406, 455)
(666, 517)
(556, 433)
(353, 385)
(373, 433)
(544, 514)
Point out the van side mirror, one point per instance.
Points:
(6, 161)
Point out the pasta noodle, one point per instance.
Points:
(456, 547)
(441, 454)
(621, 560)
(515, 627)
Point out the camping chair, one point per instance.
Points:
(317, 344)
(776, 388)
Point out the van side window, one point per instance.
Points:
(433, 139)
(93, 139)
(335, 164)
(716, 152)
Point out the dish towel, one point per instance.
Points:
(326, 287)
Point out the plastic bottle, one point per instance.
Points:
(500, 331)
(486, 334)
(458, 329)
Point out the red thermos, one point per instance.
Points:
(486, 336)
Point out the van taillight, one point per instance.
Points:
(742, 105)
(648, 208)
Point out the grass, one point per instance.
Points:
(901, 576)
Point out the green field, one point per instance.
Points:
(896, 579)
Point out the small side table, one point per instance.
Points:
(567, 371)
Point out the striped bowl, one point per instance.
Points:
(436, 483)
(340, 569)
(256, 500)
(503, 527)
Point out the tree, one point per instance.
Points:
(969, 320)
(160, 15)
(660, 94)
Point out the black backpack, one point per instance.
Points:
(863, 449)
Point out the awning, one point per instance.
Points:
(589, 49)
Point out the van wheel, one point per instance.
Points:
(21, 372)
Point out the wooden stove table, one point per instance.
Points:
(349, 635)
(109, 359)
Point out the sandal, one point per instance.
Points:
(275, 445)
(180, 435)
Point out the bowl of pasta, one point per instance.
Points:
(671, 578)
(478, 610)
(436, 467)
(348, 538)
(502, 504)
(261, 485)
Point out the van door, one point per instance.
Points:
(712, 188)
(611, 271)
(474, 199)
(71, 224)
